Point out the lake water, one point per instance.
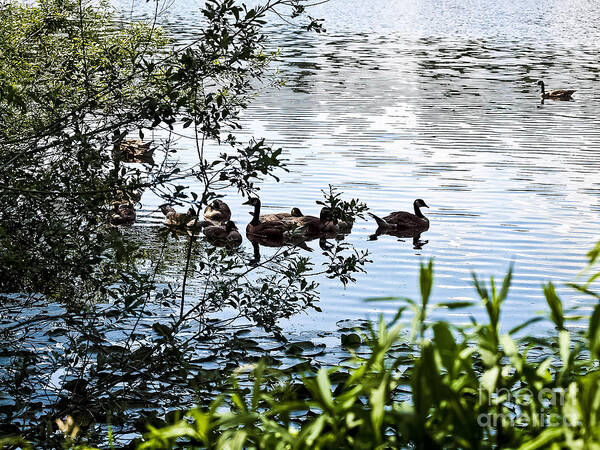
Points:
(436, 100)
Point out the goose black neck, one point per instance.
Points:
(542, 85)
(418, 212)
(256, 214)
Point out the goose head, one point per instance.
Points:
(254, 201)
(420, 203)
(230, 226)
(541, 83)
(218, 204)
(325, 215)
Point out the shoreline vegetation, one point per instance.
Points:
(460, 387)
(436, 386)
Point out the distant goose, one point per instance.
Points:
(402, 220)
(561, 94)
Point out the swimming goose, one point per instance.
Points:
(402, 220)
(127, 196)
(314, 226)
(122, 214)
(344, 226)
(561, 94)
(217, 212)
(271, 229)
(134, 150)
(175, 219)
(226, 234)
(295, 212)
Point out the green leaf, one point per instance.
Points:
(426, 281)
(564, 341)
(489, 379)
(524, 325)
(324, 388)
(505, 285)
(594, 331)
(544, 439)
(377, 401)
(556, 310)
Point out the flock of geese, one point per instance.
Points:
(284, 228)
(272, 229)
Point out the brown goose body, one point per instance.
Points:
(135, 150)
(402, 220)
(295, 212)
(314, 226)
(344, 226)
(122, 214)
(218, 212)
(560, 94)
(274, 230)
(196, 224)
(270, 229)
(175, 219)
(226, 234)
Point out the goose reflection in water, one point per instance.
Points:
(257, 243)
(291, 241)
(415, 235)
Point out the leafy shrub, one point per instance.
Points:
(446, 387)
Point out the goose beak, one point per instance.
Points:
(425, 205)
(248, 202)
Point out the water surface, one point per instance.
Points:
(437, 100)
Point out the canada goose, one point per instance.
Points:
(175, 219)
(127, 196)
(295, 212)
(271, 229)
(561, 94)
(122, 214)
(344, 226)
(314, 226)
(195, 224)
(217, 212)
(134, 150)
(227, 234)
(401, 220)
